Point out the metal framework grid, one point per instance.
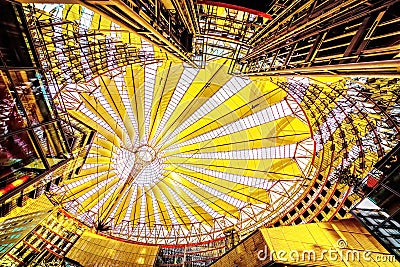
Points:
(325, 37)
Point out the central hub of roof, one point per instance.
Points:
(145, 166)
(146, 153)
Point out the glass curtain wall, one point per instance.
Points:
(31, 137)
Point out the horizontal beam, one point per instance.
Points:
(239, 8)
(387, 68)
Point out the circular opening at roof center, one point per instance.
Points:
(146, 153)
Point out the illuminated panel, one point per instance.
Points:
(91, 249)
(306, 244)
(172, 160)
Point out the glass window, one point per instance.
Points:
(386, 199)
(18, 157)
(394, 181)
(52, 143)
(12, 42)
(33, 95)
(11, 115)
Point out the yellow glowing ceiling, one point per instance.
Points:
(185, 155)
(180, 151)
(181, 155)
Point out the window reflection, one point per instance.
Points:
(50, 139)
(18, 157)
(33, 97)
(11, 118)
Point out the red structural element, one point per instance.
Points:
(13, 185)
(193, 244)
(372, 181)
(240, 8)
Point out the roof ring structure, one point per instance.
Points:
(182, 154)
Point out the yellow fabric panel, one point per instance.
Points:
(275, 133)
(136, 206)
(214, 202)
(198, 212)
(239, 191)
(289, 125)
(123, 207)
(94, 106)
(250, 168)
(98, 160)
(130, 38)
(95, 25)
(100, 22)
(111, 93)
(191, 101)
(239, 106)
(134, 80)
(105, 23)
(92, 200)
(236, 141)
(72, 12)
(179, 213)
(101, 152)
(111, 203)
(149, 213)
(162, 209)
(243, 167)
(220, 13)
(163, 93)
(326, 79)
(89, 171)
(97, 127)
(286, 165)
(265, 86)
(204, 85)
(80, 190)
(104, 143)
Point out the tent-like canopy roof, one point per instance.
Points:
(181, 152)
(185, 155)
(181, 155)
